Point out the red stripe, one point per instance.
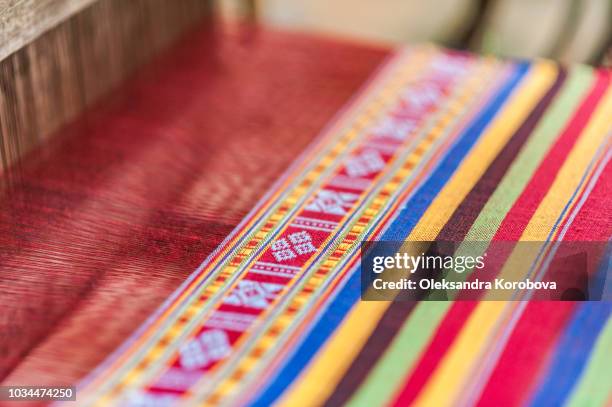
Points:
(510, 229)
(443, 339)
(594, 221)
(529, 346)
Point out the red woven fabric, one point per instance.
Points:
(101, 225)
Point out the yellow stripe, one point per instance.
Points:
(319, 380)
(456, 367)
(313, 388)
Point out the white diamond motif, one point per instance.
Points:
(366, 163)
(332, 202)
(299, 243)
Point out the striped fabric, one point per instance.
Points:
(438, 145)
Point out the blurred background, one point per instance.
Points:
(59, 56)
(566, 30)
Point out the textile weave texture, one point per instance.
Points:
(438, 145)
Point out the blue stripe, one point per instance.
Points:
(572, 353)
(398, 230)
(600, 287)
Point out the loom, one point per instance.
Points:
(151, 152)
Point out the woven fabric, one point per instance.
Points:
(438, 145)
(101, 224)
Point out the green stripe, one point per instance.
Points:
(398, 359)
(593, 389)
